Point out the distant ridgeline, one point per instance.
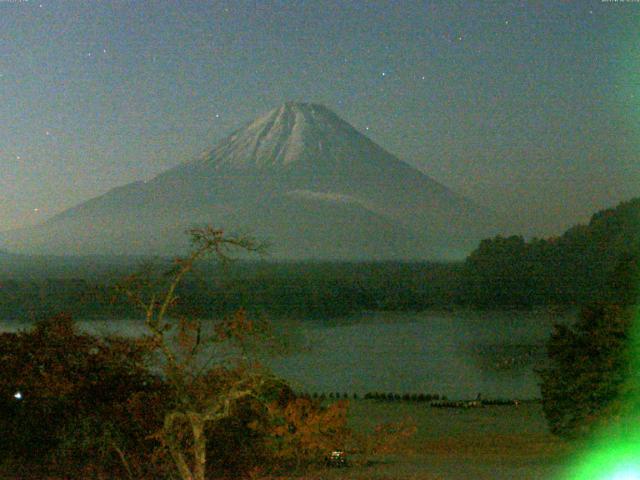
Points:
(598, 261)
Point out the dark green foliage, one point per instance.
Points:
(588, 365)
(595, 261)
(624, 283)
(280, 289)
(407, 397)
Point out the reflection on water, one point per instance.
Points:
(458, 355)
(501, 357)
(455, 354)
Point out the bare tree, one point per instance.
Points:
(201, 394)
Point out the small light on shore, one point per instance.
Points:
(17, 395)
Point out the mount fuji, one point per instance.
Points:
(299, 177)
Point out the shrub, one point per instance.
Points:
(73, 390)
(588, 366)
(304, 432)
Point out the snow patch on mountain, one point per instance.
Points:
(324, 196)
(291, 134)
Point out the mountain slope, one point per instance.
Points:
(299, 176)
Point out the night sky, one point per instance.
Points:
(531, 108)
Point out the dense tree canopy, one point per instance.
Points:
(594, 261)
(589, 369)
(64, 397)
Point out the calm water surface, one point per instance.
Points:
(454, 354)
(458, 355)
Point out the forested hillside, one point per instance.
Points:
(590, 262)
(300, 289)
(598, 261)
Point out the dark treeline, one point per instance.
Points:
(406, 397)
(432, 399)
(326, 289)
(590, 262)
(290, 289)
(594, 262)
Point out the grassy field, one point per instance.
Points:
(506, 442)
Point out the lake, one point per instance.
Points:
(457, 354)
(454, 354)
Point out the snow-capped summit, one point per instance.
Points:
(291, 133)
(299, 176)
(305, 136)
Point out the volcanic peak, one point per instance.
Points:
(292, 133)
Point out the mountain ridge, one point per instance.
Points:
(299, 168)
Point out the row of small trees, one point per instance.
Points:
(407, 397)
